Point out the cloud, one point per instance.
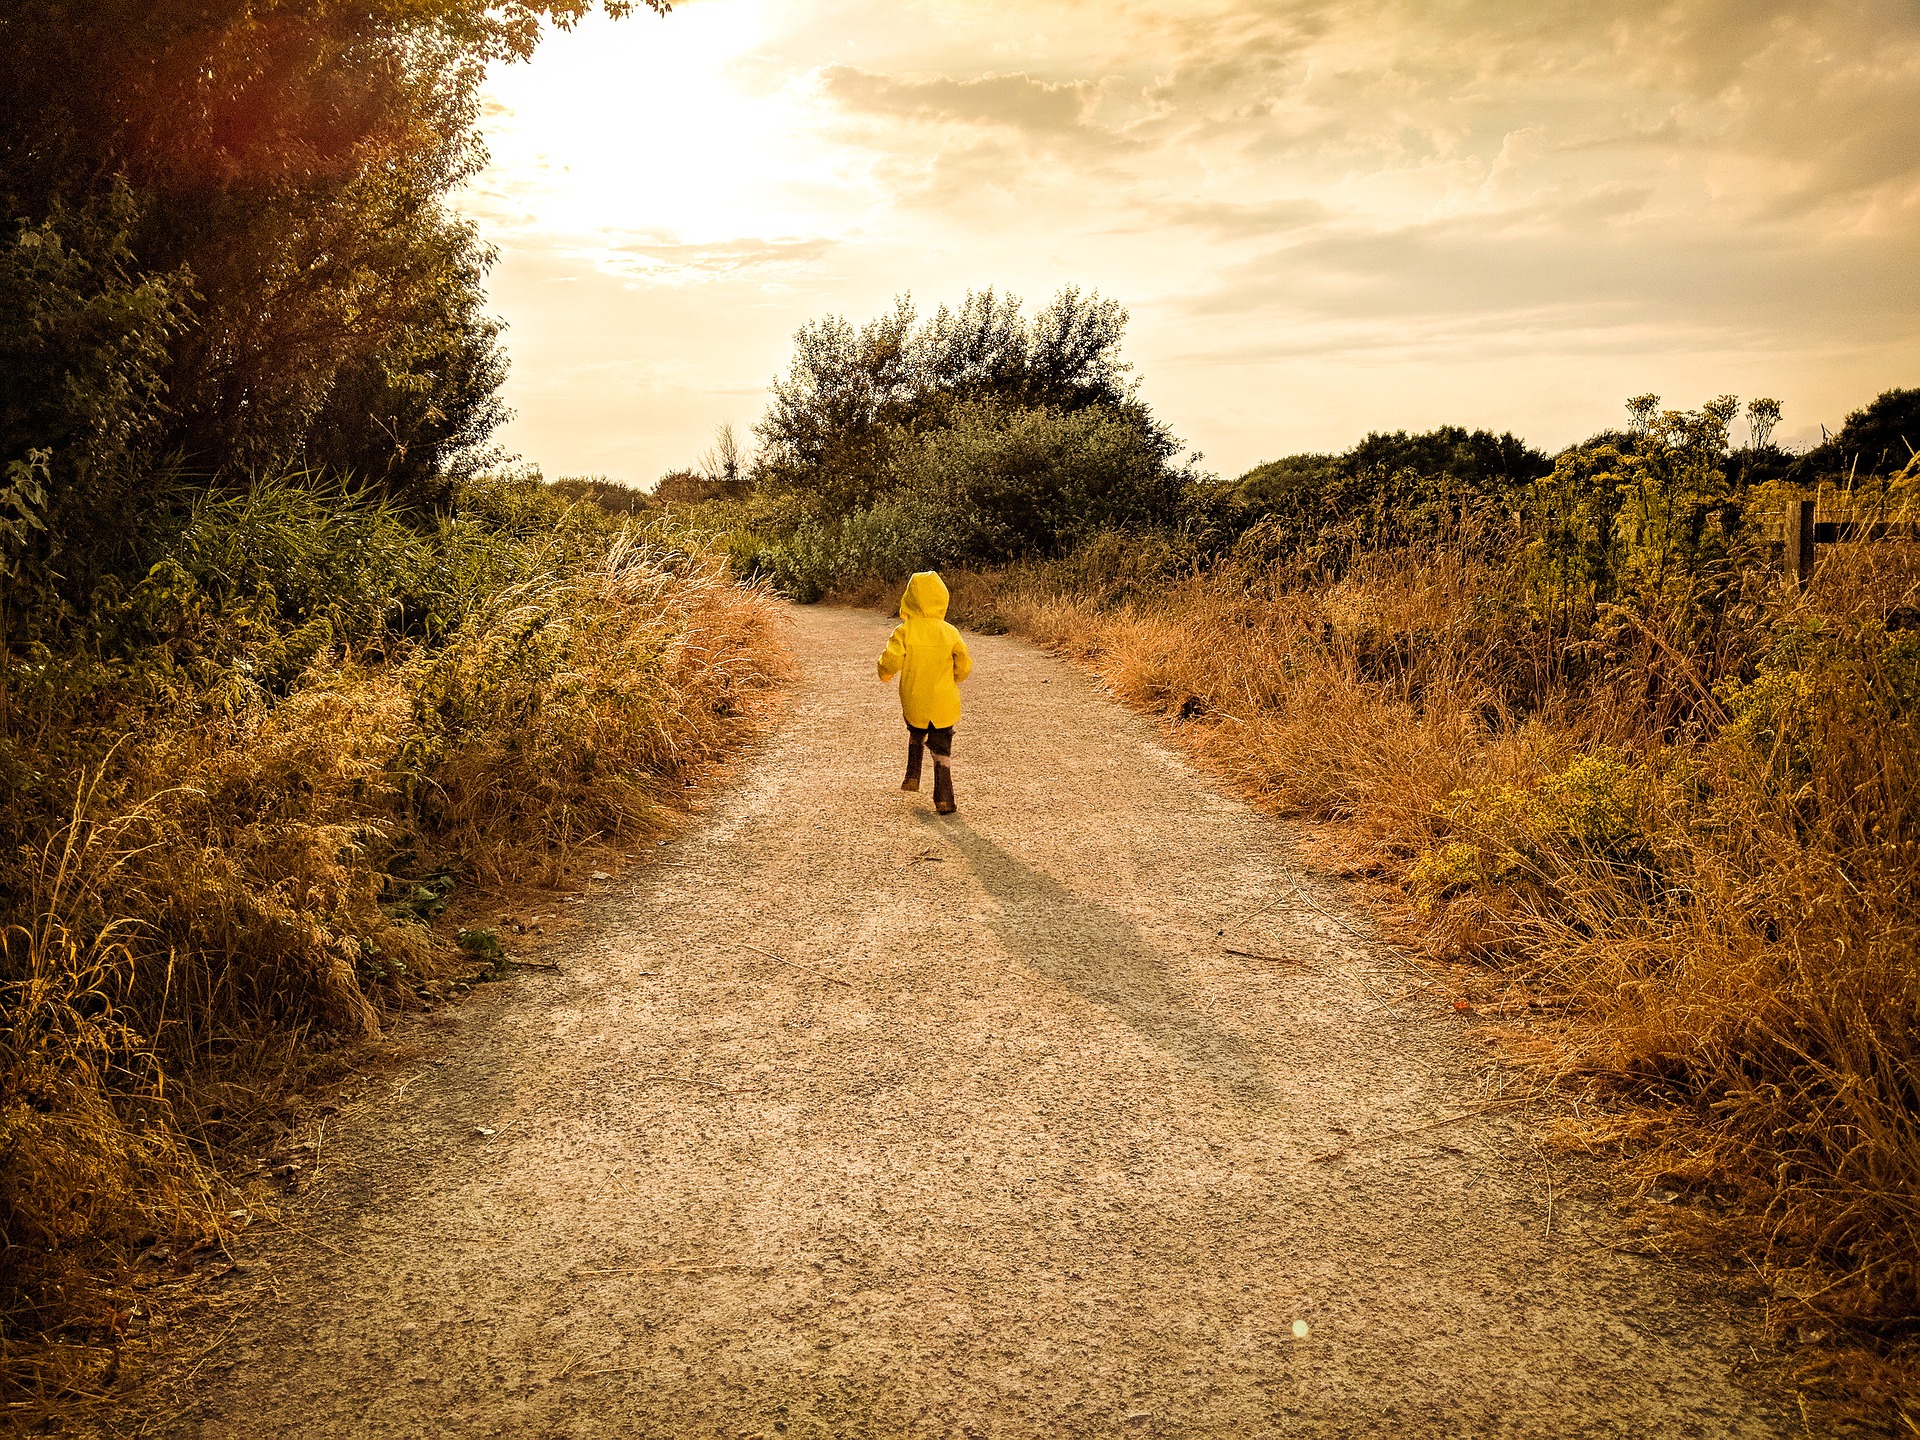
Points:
(669, 261)
(1480, 276)
(1811, 102)
(1035, 108)
(1392, 211)
(1230, 221)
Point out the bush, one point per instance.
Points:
(1584, 819)
(978, 438)
(1317, 513)
(612, 496)
(234, 823)
(994, 486)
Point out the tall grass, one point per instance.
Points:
(1698, 856)
(249, 849)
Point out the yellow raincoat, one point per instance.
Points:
(927, 654)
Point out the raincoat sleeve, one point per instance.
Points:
(962, 661)
(895, 655)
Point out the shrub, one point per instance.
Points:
(1585, 819)
(298, 733)
(994, 486)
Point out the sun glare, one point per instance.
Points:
(638, 143)
(1329, 214)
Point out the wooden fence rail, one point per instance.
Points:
(1801, 530)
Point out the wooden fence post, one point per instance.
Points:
(1799, 538)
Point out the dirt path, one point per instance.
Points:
(1040, 1160)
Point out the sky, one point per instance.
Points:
(1323, 218)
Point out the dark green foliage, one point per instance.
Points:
(978, 437)
(993, 485)
(419, 899)
(852, 399)
(693, 487)
(414, 415)
(1474, 459)
(1066, 358)
(1321, 511)
(225, 254)
(1279, 484)
(85, 336)
(483, 945)
(1877, 440)
(1462, 459)
(610, 495)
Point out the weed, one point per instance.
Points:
(1704, 844)
(483, 945)
(238, 827)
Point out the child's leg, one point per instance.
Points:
(940, 741)
(916, 744)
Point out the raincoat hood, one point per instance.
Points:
(926, 598)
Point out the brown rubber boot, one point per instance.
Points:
(915, 749)
(942, 786)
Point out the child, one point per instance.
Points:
(931, 659)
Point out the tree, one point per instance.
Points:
(225, 250)
(1877, 439)
(851, 397)
(418, 413)
(1067, 357)
(726, 468)
(1389, 488)
(826, 429)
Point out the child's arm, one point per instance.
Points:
(895, 655)
(962, 661)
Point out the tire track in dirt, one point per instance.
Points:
(1021, 1152)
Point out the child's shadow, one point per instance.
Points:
(1097, 954)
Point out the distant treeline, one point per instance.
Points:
(981, 436)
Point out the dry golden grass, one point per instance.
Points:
(1728, 908)
(212, 917)
(651, 675)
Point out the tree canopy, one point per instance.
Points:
(850, 394)
(225, 252)
(1880, 438)
(979, 435)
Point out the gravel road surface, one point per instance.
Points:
(1005, 1142)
